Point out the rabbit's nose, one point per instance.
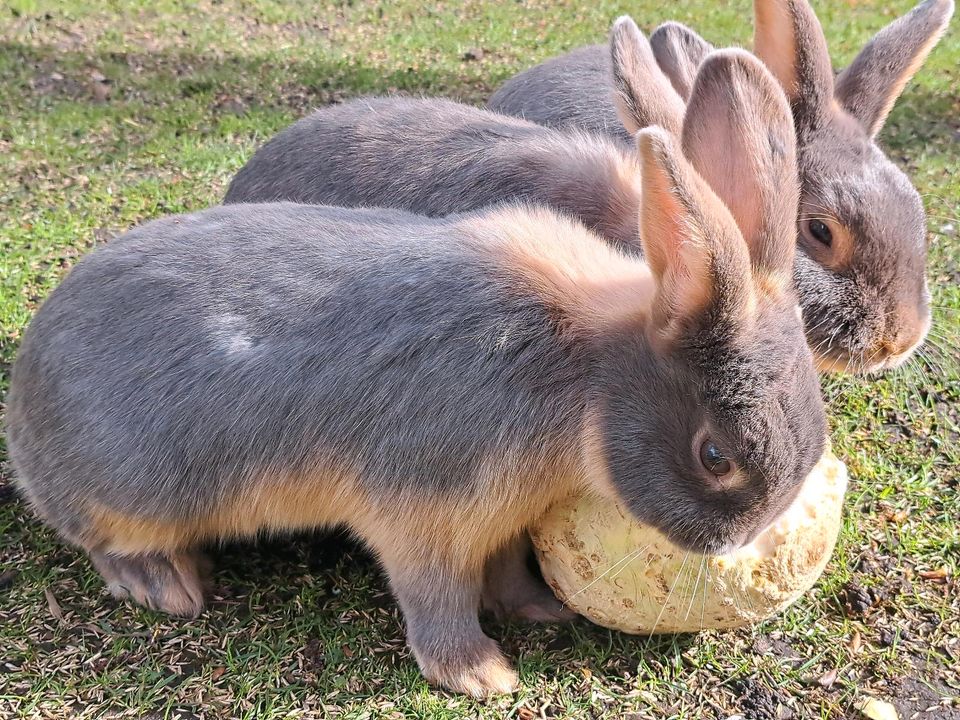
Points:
(909, 330)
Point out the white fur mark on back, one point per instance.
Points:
(231, 334)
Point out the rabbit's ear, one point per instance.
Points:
(789, 40)
(689, 240)
(739, 135)
(642, 93)
(871, 84)
(679, 52)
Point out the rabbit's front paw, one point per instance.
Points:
(511, 592)
(478, 670)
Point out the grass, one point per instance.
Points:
(116, 112)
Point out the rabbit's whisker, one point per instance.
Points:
(626, 564)
(673, 587)
(696, 586)
(625, 560)
(703, 596)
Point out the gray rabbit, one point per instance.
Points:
(436, 156)
(861, 229)
(431, 384)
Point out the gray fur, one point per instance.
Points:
(121, 383)
(577, 90)
(574, 90)
(868, 87)
(679, 51)
(865, 317)
(190, 360)
(435, 157)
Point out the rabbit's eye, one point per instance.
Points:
(821, 232)
(713, 459)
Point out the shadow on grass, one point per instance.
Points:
(333, 556)
(313, 79)
(48, 74)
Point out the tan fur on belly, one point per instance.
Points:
(464, 531)
(510, 494)
(272, 505)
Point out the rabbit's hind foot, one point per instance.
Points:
(169, 582)
(512, 592)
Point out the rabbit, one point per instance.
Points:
(436, 157)
(861, 231)
(431, 384)
(574, 90)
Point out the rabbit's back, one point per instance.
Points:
(436, 157)
(574, 90)
(428, 156)
(176, 368)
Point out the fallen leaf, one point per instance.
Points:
(526, 713)
(895, 516)
(939, 575)
(217, 673)
(855, 642)
(52, 604)
(875, 709)
(828, 678)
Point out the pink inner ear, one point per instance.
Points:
(660, 221)
(685, 288)
(775, 42)
(679, 217)
(738, 134)
(729, 167)
(691, 284)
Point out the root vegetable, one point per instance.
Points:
(630, 577)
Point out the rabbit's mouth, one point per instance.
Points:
(866, 353)
(841, 361)
(835, 362)
(896, 359)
